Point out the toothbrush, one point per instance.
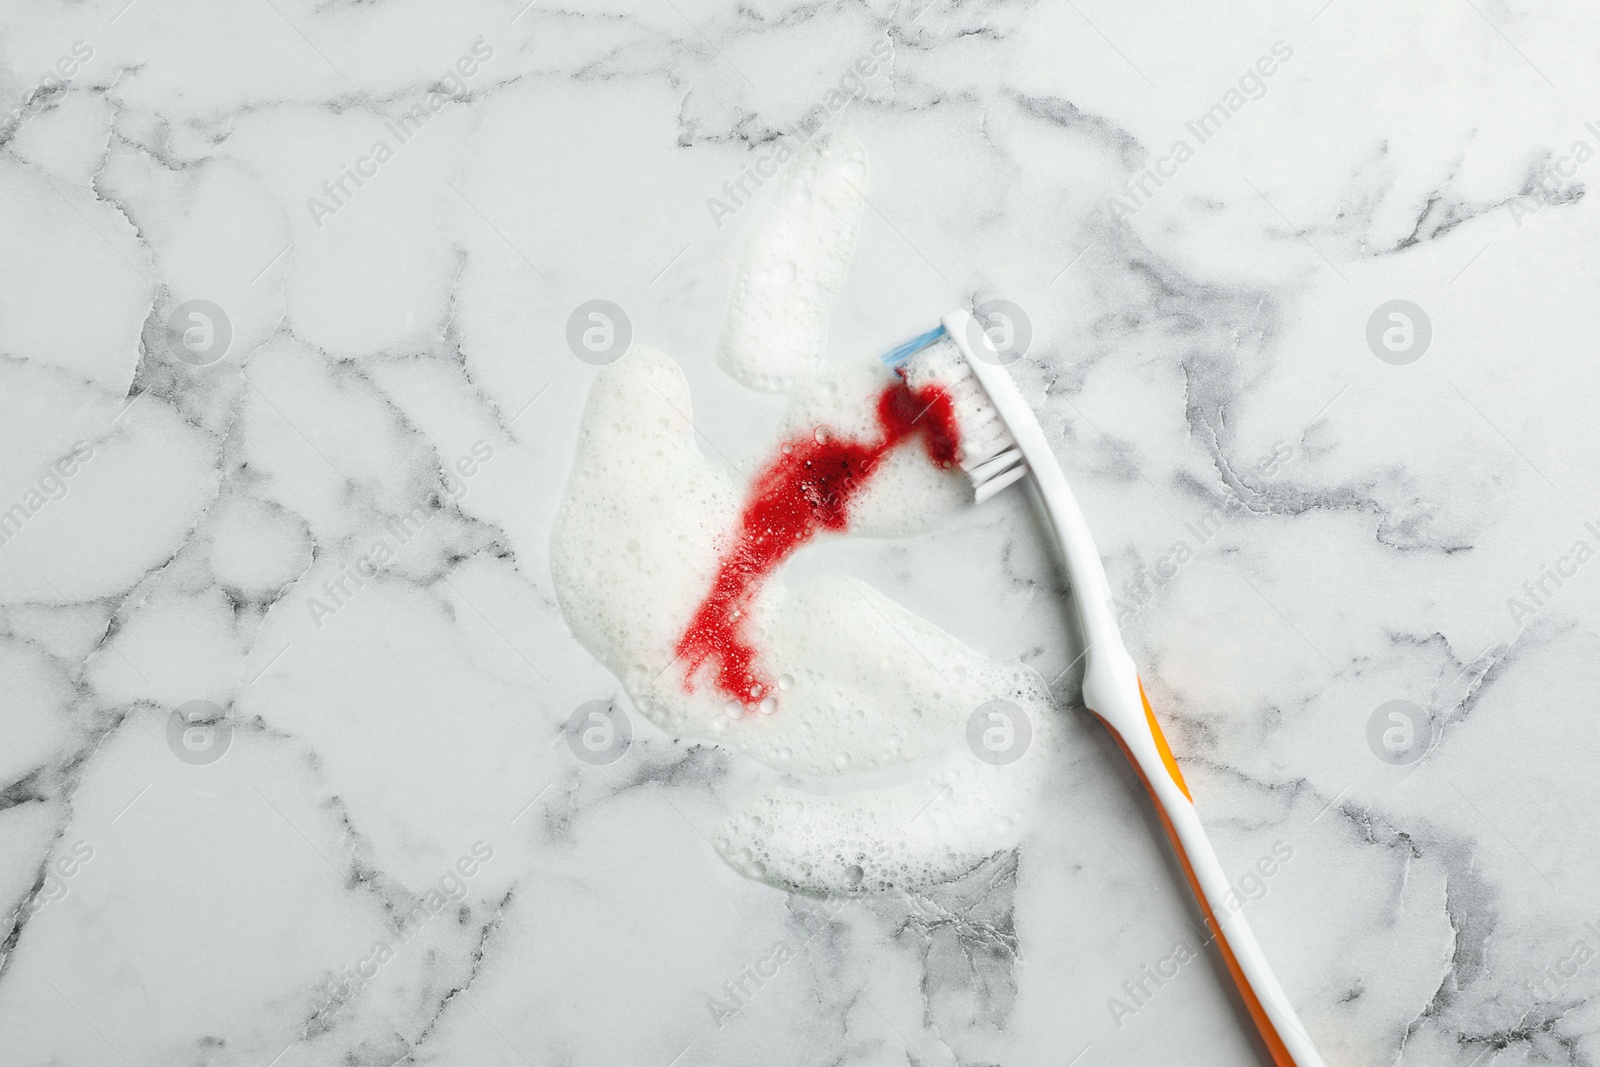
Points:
(1002, 443)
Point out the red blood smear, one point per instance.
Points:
(805, 489)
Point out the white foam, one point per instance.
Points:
(864, 684)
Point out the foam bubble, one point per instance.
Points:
(861, 683)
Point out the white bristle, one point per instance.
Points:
(988, 452)
(989, 488)
(999, 464)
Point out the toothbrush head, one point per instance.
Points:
(943, 359)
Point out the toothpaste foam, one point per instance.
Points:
(839, 681)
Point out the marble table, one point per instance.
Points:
(1309, 290)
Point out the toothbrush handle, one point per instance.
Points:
(1285, 1038)
(1112, 690)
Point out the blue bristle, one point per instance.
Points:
(904, 351)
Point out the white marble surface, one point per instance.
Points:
(160, 910)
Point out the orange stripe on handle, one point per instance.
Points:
(1161, 747)
(1252, 1003)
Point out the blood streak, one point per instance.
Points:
(804, 489)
